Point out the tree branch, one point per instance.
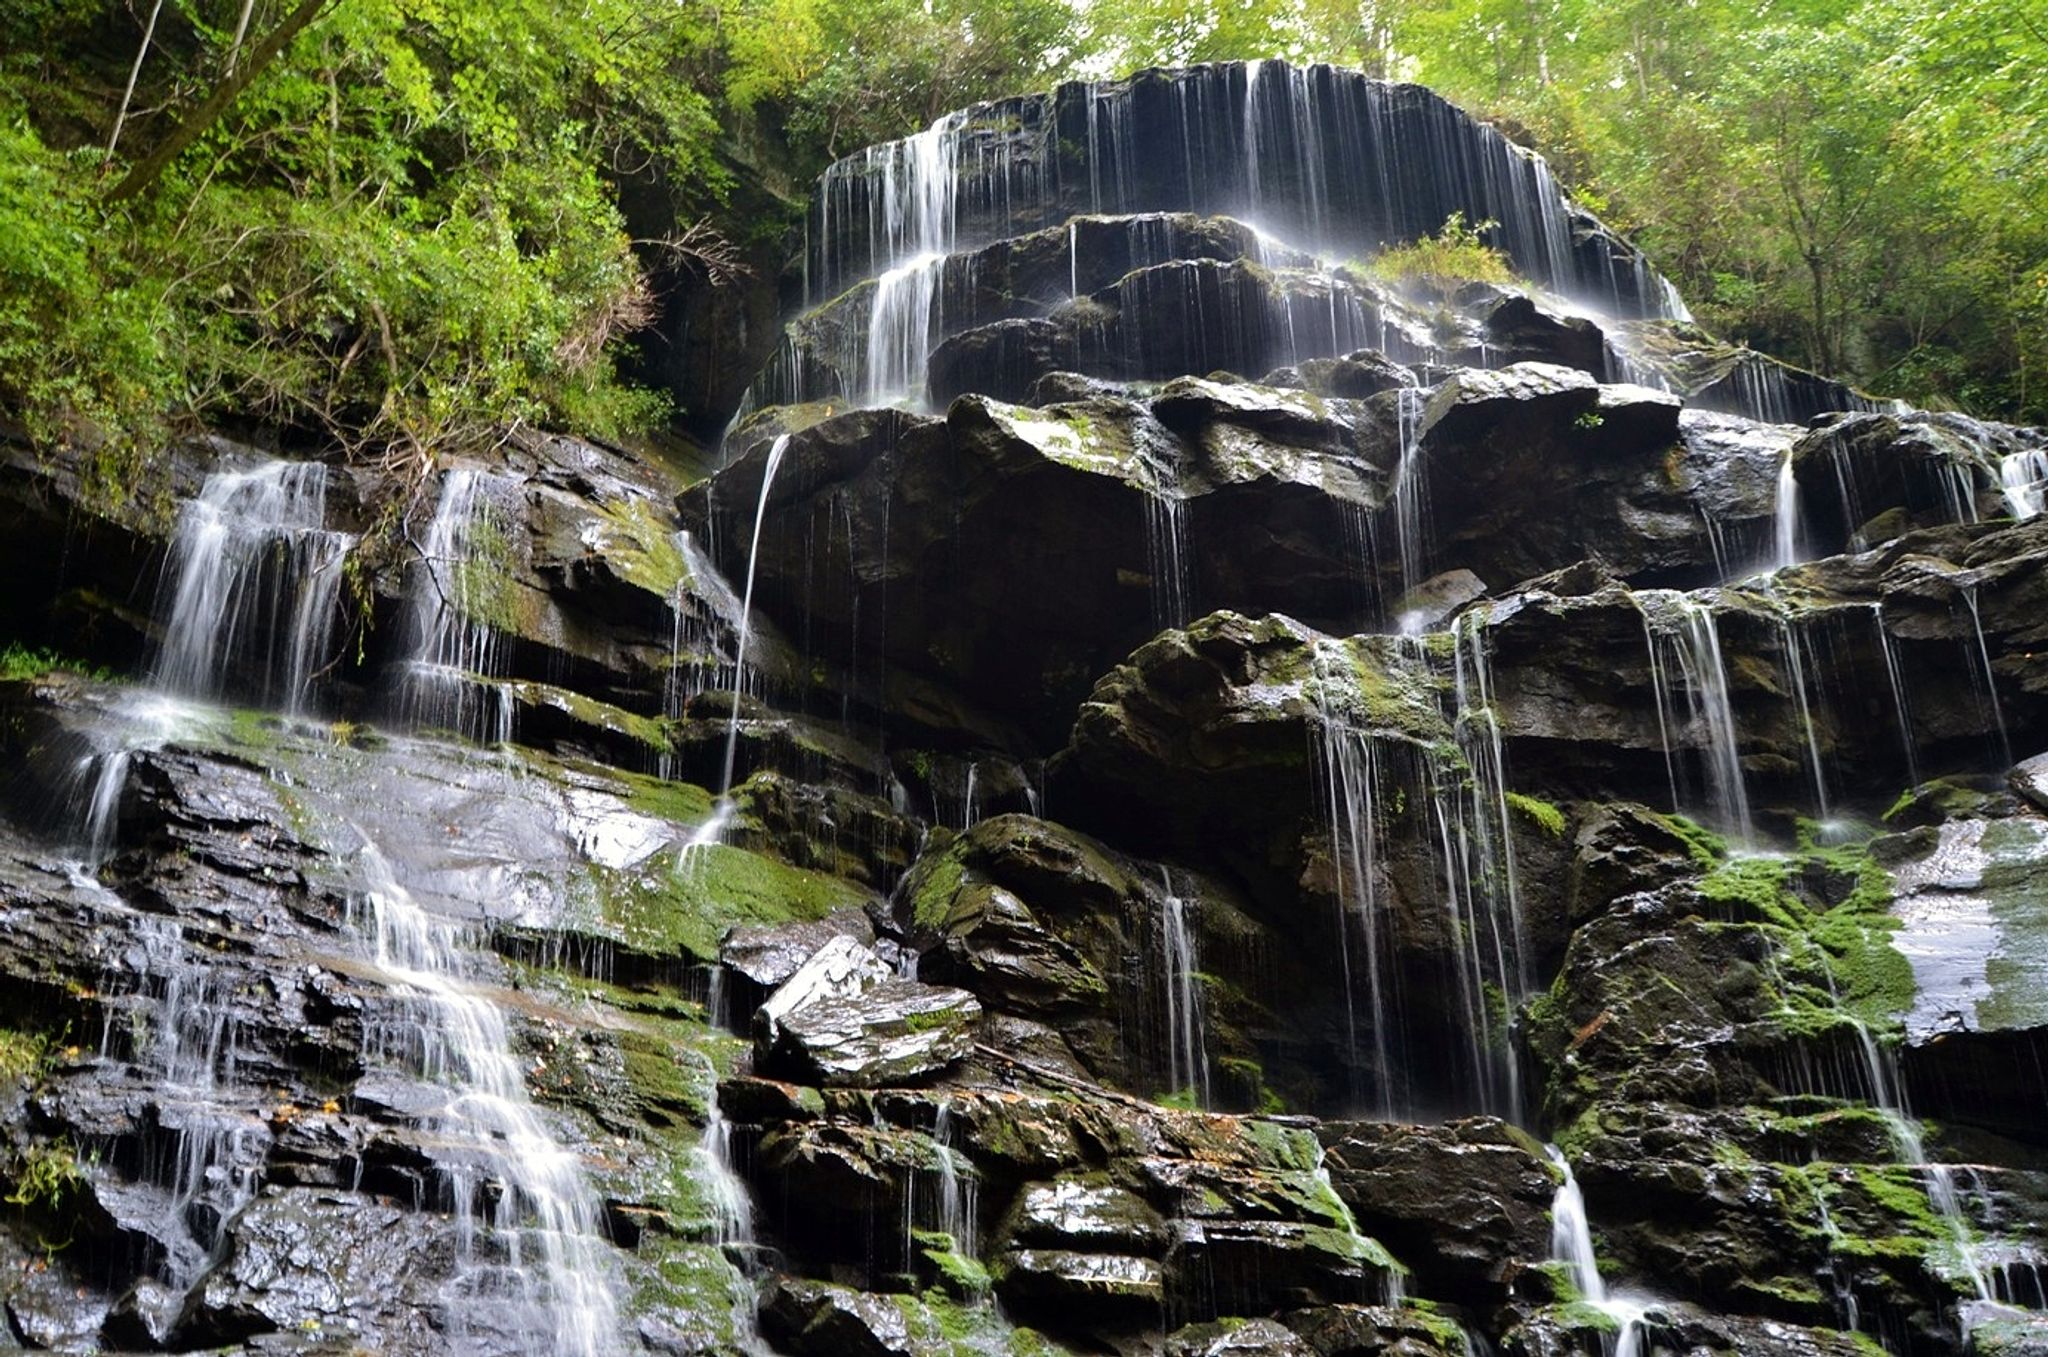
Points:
(152, 166)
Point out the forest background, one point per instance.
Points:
(408, 225)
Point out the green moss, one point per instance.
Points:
(483, 585)
(595, 715)
(932, 895)
(1546, 816)
(1580, 1316)
(665, 907)
(1706, 848)
(680, 803)
(1282, 1147)
(640, 546)
(1250, 1075)
(1444, 1331)
(958, 1275)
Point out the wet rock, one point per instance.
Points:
(844, 1018)
(890, 1032)
(1928, 468)
(1520, 329)
(819, 1318)
(1622, 849)
(770, 954)
(1263, 1337)
(1353, 376)
(1462, 1204)
(1081, 1218)
(1429, 604)
(1067, 1290)
(324, 1262)
(1476, 400)
(1376, 1331)
(1240, 1266)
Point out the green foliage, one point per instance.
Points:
(44, 1176)
(1441, 264)
(19, 662)
(23, 1055)
(404, 235)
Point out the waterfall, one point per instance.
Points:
(1895, 676)
(1456, 796)
(739, 680)
(959, 1188)
(1341, 161)
(253, 582)
(1477, 725)
(1349, 769)
(533, 1261)
(969, 812)
(1794, 647)
(182, 1021)
(91, 789)
(1887, 1091)
(703, 611)
(1786, 538)
(732, 1211)
(1166, 539)
(1685, 646)
(461, 582)
(1187, 1058)
(1983, 656)
(1571, 1243)
(1410, 499)
(2023, 476)
(902, 314)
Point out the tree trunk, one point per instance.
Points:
(134, 72)
(241, 32)
(1823, 363)
(185, 133)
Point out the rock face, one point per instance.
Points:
(1168, 796)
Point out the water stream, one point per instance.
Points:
(253, 583)
(1187, 1059)
(1571, 1243)
(458, 584)
(533, 1262)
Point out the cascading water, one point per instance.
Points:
(253, 583)
(1166, 540)
(1895, 676)
(1571, 1243)
(2023, 477)
(902, 314)
(1410, 499)
(1685, 656)
(1982, 655)
(717, 1174)
(1341, 161)
(533, 1265)
(959, 1212)
(1349, 769)
(1476, 721)
(181, 1022)
(739, 682)
(1785, 539)
(1456, 798)
(458, 584)
(1187, 1058)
